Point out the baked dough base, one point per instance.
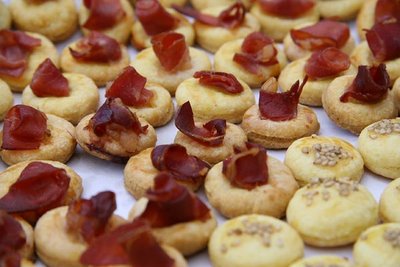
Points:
(5, 16)
(323, 260)
(339, 9)
(396, 93)
(203, 4)
(389, 202)
(6, 99)
(366, 17)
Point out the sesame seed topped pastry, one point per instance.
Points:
(322, 261)
(390, 200)
(5, 16)
(339, 9)
(6, 100)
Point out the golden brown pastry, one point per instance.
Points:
(203, 4)
(322, 261)
(5, 16)
(390, 200)
(339, 9)
(6, 100)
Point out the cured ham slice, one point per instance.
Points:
(222, 81)
(369, 86)
(257, 50)
(286, 8)
(280, 106)
(12, 239)
(326, 33)
(15, 47)
(211, 134)
(175, 159)
(103, 14)
(97, 47)
(328, 62)
(39, 188)
(49, 81)
(154, 18)
(247, 169)
(129, 87)
(24, 128)
(131, 244)
(384, 41)
(89, 217)
(171, 50)
(387, 11)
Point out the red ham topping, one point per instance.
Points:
(387, 11)
(229, 18)
(286, 8)
(171, 50)
(280, 106)
(154, 18)
(370, 85)
(15, 47)
(211, 134)
(39, 188)
(326, 33)
(103, 14)
(225, 82)
(49, 81)
(327, 62)
(12, 239)
(257, 50)
(113, 113)
(384, 41)
(171, 203)
(97, 47)
(89, 217)
(24, 128)
(175, 159)
(129, 87)
(131, 244)
(247, 169)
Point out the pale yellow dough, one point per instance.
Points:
(6, 99)
(269, 199)
(301, 158)
(322, 261)
(256, 241)
(120, 31)
(390, 200)
(209, 103)
(58, 146)
(83, 99)
(332, 212)
(57, 20)
(27, 250)
(339, 9)
(223, 61)
(396, 93)
(378, 246)
(366, 17)
(5, 16)
(203, 4)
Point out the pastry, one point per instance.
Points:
(339, 9)
(332, 212)
(141, 169)
(278, 120)
(323, 157)
(322, 261)
(250, 182)
(377, 144)
(70, 96)
(114, 132)
(255, 240)
(112, 18)
(278, 17)
(211, 141)
(6, 100)
(253, 59)
(178, 218)
(154, 19)
(203, 4)
(97, 56)
(215, 95)
(396, 93)
(171, 59)
(166, 3)
(57, 20)
(20, 54)
(36, 136)
(378, 246)
(149, 101)
(5, 16)
(390, 200)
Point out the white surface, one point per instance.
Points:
(99, 175)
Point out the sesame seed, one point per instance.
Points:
(393, 237)
(383, 127)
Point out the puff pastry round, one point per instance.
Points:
(366, 17)
(202, 4)
(339, 9)
(322, 261)
(5, 16)
(396, 93)
(390, 200)
(6, 99)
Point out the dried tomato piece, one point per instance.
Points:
(222, 81)
(384, 41)
(24, 128)
(387, 11)
(328, 62)
(103, 14)
(286, 8)
(12, 239)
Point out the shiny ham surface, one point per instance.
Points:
(103, 14)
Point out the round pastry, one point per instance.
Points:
(6, 100)
(377, 144)
(378, 246)
(32, 49)
(390, 200)
(250, 182)
(332, 212)
(323, 157)
(97, 56)
(322, 261)
(255, 240)
(57, 20)
(339, 9)
(396, 93)
(202, 4)
(277, 18)
(70, 96)
(249, 62)
(5, 16)
(169, 3)
(112, 18)
(215, 95)
(38, 136)
(366, 17)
